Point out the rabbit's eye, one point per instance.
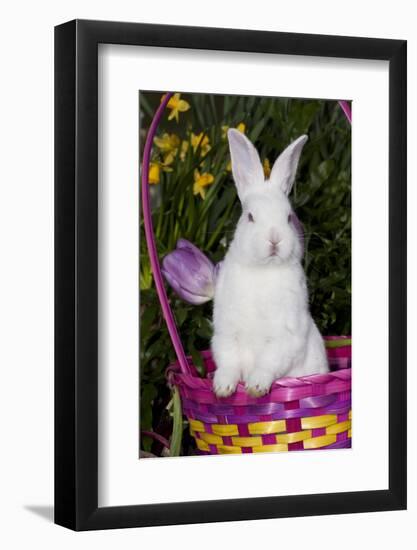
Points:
(250, 217)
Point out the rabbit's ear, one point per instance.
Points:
(246, 165)
(285, 167)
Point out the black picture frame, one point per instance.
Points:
(76, 271)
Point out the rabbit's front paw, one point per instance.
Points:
(224, 383)
(259, 383)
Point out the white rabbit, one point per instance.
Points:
(263, 329)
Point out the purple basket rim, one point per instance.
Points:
(282, 390)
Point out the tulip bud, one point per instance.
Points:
(190, 273)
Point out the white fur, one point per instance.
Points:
(263, 329)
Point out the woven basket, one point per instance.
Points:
(312, 412)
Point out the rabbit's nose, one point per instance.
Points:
(274, 237)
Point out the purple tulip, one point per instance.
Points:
(190, 273)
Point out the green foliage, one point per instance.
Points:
(321, 198)
(177, 424)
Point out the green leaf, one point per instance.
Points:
(338, 343)
(148, 317)
(177, 428)
(197, 358)
(148, 394)
(326, 168)
(206, 329)
(181, 315)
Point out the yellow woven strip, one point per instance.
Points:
(238, 441)
(311, 422)
(293, 437)
(313, 443)
(211, 438)
(196, 426)
(273, 427)
(202, 445)
(283, 439)
(222, 449)
(338, 428)
(228, 450)
(255, 428)
(321, 441)
(225, 429)
(270, 448)
(247, 441)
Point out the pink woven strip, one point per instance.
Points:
(269, 439)
(242, 413)
(200, 390)
(340, 355)
(254, 417)
(243, 430)
(347, 444)
(292, 405)
(297, 446)
(343, 436)
(293, 425)
(244, 409)
(344, 395)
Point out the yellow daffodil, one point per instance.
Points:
(155, 169)
(176, 106)
(154, 173)
(267, 168)
(201, 181)
(184, 148)
(241, 127)
(197, 140)
(168, 143)
(168, 160)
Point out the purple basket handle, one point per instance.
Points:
(150, 239)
